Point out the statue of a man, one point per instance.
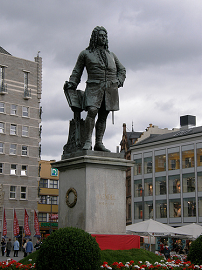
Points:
(105, 75)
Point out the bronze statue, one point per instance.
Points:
(105, 75)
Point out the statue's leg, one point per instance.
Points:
(100, 129)
(89, 125)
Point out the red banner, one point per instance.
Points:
(16, 229)
(4, 225)
(36, 224)
(26, 224)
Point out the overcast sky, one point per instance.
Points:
(158, 41)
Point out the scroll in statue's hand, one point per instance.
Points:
(69, 85)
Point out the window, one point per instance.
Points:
(1, 167)
(25, 111)
(200, 206)
(1, 148)
(12, 192)
(25, 81)
(187, 156)
(175, 208)
(54, 199)
(2, 127)
(23, 193)
(174, 184)
(13, 130)
(188, 181)
(13, 148)
(199, 181)
(138, 165)
(53, 184)
(148, 209)
(1, 107)
(138, 188)
(42, 217)
(160, 163)
(148, 187)
(43, 199)
(199, 156)
(25, 131)
(13, 169)
(148, 165)
(13, 109)
(24, 150)
(189, 207)
(43, 183)
(160, 185)
(174, 158)
(138, 213)
(161, 209)
(24, 170)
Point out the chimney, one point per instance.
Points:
(187, 121)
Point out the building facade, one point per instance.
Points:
(167, 176)
(20, 118)
(48, 198)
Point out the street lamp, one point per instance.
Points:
(50, 230)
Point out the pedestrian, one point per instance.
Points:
(29, 247)
(24, 247)
(3, 246)
(16, 246)
(161, 247)
(38, 244)
(8, 248)
(167, 252)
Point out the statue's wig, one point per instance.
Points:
(94, 39)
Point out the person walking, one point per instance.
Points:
(29, 247)
(3, 246)
(167, 252)
(16, 246)
(8, 248)
(24, 247)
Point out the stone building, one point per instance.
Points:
(20, 132)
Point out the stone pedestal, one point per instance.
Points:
(92, 192)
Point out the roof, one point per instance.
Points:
(2, 50)
(167, 136)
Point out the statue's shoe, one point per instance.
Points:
(87, 146)
(100, 147)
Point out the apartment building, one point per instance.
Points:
(20, 118)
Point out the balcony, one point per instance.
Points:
(3, 89)
(27, 93)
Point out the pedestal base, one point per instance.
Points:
(92, 192)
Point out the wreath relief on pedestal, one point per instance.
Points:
(69, 201)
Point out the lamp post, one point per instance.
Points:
(50, 230)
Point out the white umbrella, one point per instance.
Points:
(152, 228)
(193, 229)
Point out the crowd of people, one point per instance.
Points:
(27, 247)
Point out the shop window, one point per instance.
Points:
(189, 207)
(188, 181)
(161, 209)
(160, 185)
(174, 184)
(175, 208)
(148, 187)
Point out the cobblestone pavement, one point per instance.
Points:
(20, 256)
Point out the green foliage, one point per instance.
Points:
(195, 254)
(136, 255)
(69, 248)
(31, 256)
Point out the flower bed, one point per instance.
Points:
(12, 265)
(179, 264)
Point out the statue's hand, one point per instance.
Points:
(69, 85)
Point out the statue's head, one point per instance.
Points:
(94, 38)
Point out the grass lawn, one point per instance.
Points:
(111, 256)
